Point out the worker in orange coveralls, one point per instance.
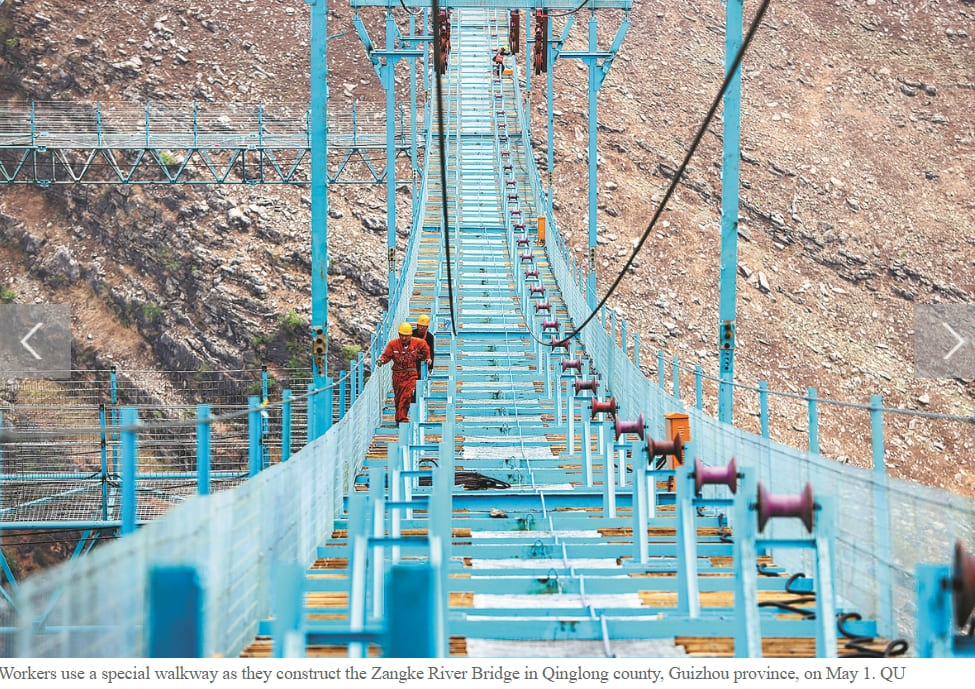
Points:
(405, 352)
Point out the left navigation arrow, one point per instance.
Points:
(23, 341)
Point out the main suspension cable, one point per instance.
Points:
(683, 166)
(437, 61)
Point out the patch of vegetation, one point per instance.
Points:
(7, 295)
(350, 352)
(261, 340)
(256, 387)
(291, 321)
(167, 158)
(152, 312)
(169, 260)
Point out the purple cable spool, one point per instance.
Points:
(551, 325)
(802, 506)
(543, 306)
(622, 427)
(531, 273)
(563, 343)
(667, 448)
(707, 476)
(604, 407)
(514, 211)
(571, 363)
(523, 241)
(513, 196)
(963, 582)
(591, 385)
(536, 289)
(527, 257)
(520, 226)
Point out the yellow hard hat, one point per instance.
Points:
(405, 329)
(423, 320)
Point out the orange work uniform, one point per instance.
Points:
(405, 359)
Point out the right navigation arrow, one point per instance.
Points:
(961, 341)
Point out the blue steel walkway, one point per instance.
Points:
(540, 557)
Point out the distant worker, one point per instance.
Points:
(406, 352)
(499, 58)
(422, 332)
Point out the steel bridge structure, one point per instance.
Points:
(545, 498)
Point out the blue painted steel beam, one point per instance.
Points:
(130, 418)
(318, 123)
(175, 620)
(730, 164)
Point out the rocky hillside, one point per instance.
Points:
(858, 157)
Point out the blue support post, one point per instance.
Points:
(342, 393)
(318, 123)
(593, 155)
(113, 395)
(636, 350)
(882, 516)
(254, 436)
(175, 624)
(730, 163)
(285, 424)
(387, 74)
(414, 163)
(675, 374)
(934, 611)
(813, 421)
(550, 109)
(623, 335)
(327, 403)
(312, 414)
(609, 475)
(265, 421)
(698, 388)
(361, 375)
(642, 506)
(203, 449)
(660, 368)
(287, 605)
(763, 407)
(411, 612)
(130, 417)
(103, 440)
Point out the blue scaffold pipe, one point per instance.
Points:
(285, 424)
(130, 417)
(203, 449)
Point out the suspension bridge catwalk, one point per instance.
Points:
(545, 499)
(538, 557)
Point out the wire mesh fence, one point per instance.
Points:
(61, 459)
